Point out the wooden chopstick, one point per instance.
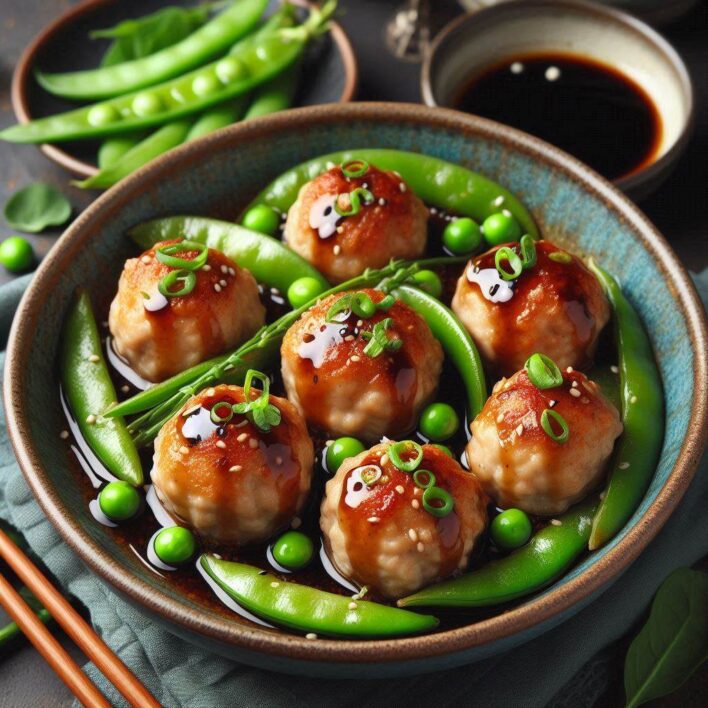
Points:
(74, 625)
(53, 652)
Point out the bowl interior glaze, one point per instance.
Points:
(217, 176)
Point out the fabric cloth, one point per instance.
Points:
(564, 667)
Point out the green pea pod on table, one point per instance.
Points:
(438, 183)
(549, 554)
(201, 46)
(307, 609)
(642, 405)
(89, 391)
(234, 75)
(269, 260)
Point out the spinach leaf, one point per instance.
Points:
(35, 207)
(134, 39)
(674, 641)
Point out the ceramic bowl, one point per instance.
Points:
(64, 45)
(218, 176)
(478, 40)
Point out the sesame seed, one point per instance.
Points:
(623, 465)
(349, 338)
(94, 358)
(91, 419)
(520, 429)
(146, 260)
(415, 504)
(310, 635)
(224, 269)
(242, 437)
(329, 442)
(235, 468)
(402, 186)
(221, 444)
(382, 202)
(574, 384)
(633, 399)
(253, 443)
(500, 418)
(420, 547)
(552, 403)
(614, 369)
(556, 522)
(569, 370)
(499, 200)
(352, 605)
(517, 67)
(64, 434)
(125, 388)
(275, 584)
(184, 450)
(506, 212)
(433, 211)
(223, 283)
(206, 268)
(355, 357)
(278, 460)
(400, 489)
(418, 491)
(210, 391)
(575, 393)
(413, 535)
(296, 522)
(217, 287)
(552, 73)
(337, 249)
(373, 519)
(384, 458)
(340, 229)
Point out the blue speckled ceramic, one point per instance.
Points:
(220, 174)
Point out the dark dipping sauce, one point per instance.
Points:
(584, 107)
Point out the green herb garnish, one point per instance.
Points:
(543, 372)
(355, 198)
(186, 277)
(406, 455)
(547, 417)
(261, 412)
(379, 342)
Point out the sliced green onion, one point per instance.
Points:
(216, 417)
(438, 502)
(260, 411)
(379, 341)
(358, 303)
(560, 257)
(547, 426)
(543, 371)
(355, 168)
(370, 475)
(165, 254)
(400, 454)
(386, 303)
(355, 198)
(186, 277)
(509, 255)
(424, 478)
(252, 374)
(528, 251)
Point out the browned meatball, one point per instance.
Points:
(232, 483)
(344, 391)
(392, 225)
(160, 337)
(380, 535)
(520, 465)
(556, 307)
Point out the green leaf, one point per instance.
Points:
(674, 641)
(35, 207)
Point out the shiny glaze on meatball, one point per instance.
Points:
(232, 483)
(160, 337)
(520, 465)
(380, 536)
(556, 307)
(344, 391)
(393, 225)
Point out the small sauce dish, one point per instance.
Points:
(466, 63)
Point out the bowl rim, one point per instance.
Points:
(22, 76)
(646, 173)
(539, 611)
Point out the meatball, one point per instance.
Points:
(341, 388)
(160, 337)
(391, 224)
(556, 307)
(378, 533)
(520, 465)
(232, 482)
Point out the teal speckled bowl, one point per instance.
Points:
(221, 173)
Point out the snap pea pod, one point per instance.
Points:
(455, 340)
(609, 384)
(438, 183)
(199, 47)
(162, 140)
(112, 149)
(276, 95)
(548, 554)
(89, 391)
(216, 118)
(307, 609)
(222, 80)
(642, 405)
(266, 258)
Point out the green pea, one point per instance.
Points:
(462, 236)
(119, 501)
(511, 529)
(175, 545)
(445, 449)
(231, 69)
(302, 290)
(429, 281)
(103, 115)
(501, 228)
(147, 104)
(262, 218)
(204, 84)
(439, 421)
(340, 450)
(16, 254)
(293, 550)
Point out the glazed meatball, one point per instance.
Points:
(556, 307)
(378, 533)
(232, 482)
(159, 336)
(342, 388)
(520, 465)
(392, 224)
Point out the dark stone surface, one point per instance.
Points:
(679, 209)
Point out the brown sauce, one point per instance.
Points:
(589, 109)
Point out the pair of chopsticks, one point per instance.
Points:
(74, 625)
